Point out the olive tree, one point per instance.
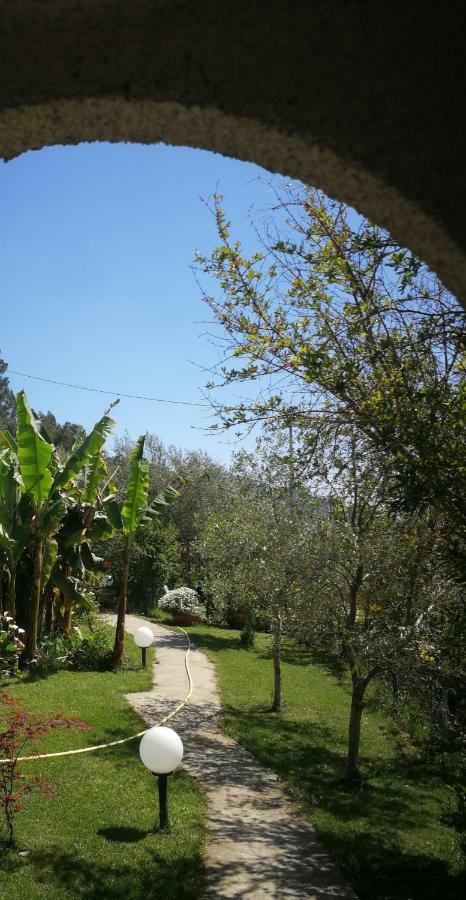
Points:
(254, 552)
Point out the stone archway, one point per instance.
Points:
(360, 98)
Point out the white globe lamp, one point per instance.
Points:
(161, 751)
(143, 638)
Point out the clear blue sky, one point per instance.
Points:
(96, 247)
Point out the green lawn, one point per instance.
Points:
(95, 838)
(388, 835)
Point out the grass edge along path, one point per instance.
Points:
(390, 836)
(95, 837)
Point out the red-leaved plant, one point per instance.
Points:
(18, 728)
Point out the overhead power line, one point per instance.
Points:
(80, 387)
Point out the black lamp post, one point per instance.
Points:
(143, 638)
(161, 751)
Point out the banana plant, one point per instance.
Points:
(15, 518)
(50, 485)
(82, 524)
(127, 517)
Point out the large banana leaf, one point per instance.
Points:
(101, 529)
(89, 448)
(72, 527)
(53, 513)
(34, 453)
(135, 502)
(16, 510)
(7, 440)
(163, 500)
(113, 512)
(94, 475)
(10, 487)
(91, 562)
(67, 585)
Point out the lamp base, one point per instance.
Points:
(164, 821)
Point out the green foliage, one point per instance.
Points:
(134, 511)
(34, 453)
(254, 565)
(91, 652)
(9, 651)
(203, 484)
(135, 502)
(87, 453)
(154, 562)
(86, 611)
(360, 332)
(16, 513)
(63, 436)
(54, 653)
(254, 549)
(206, 487)
(45, 508)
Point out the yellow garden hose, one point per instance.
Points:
(133, 737)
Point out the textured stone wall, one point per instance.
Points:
(364, 98)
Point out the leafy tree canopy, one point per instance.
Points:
(336, 322)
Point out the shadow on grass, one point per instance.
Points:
(362, 825)
(120, 834)
(150, 875)
(367, 817)
(378, 869)
(214, 642)
(10, 859)
(292, 654)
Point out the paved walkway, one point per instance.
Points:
(259, 845)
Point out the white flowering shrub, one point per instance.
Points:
(181, 601)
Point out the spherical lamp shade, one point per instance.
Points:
(143, 637)
(161, 750)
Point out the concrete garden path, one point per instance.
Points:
(259, 845)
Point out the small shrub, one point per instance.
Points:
(54, 653)
(182, 601)
(10, 644)
(247, 636)
(160, 615)
(93, 652)
(18, 728)
(86, 611)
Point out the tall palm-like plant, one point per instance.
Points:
(134, 511)
(50, 486)
(83, 523)
(15, 518)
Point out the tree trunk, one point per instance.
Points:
(355, 587)
(30, 649)
(120, 625)
(354, 732)
(40, 617)
(67, 615)
(444, 711)
(277, 664)
(395, 688)
(49, 610)
(12, 593)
